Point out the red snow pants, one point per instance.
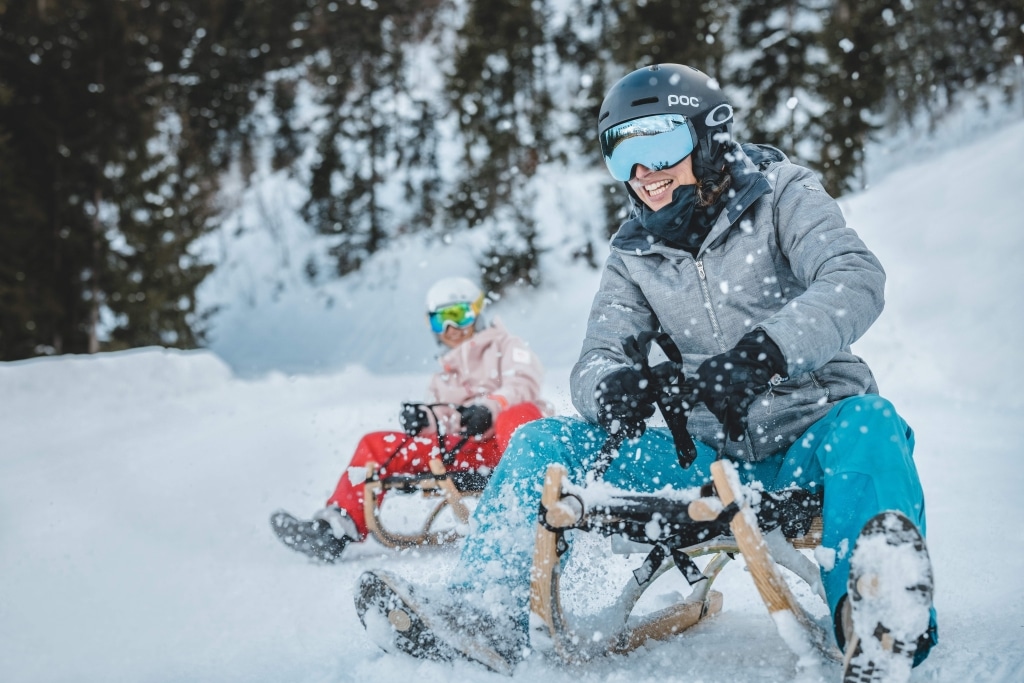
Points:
(397, 453)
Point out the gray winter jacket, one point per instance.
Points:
(781, 258)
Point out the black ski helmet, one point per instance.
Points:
(674, 89)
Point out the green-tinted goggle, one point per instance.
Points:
(461, 314)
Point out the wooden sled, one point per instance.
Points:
(721, 525)
(450, 490)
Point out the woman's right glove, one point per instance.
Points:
(413, 418)
(624, 402)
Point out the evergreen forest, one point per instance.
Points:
(121, 121)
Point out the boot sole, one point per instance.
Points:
(395, 619)
(890, 592)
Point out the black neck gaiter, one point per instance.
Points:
(682, 224)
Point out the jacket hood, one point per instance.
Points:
(747, 165)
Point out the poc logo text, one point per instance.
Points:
(683, 101)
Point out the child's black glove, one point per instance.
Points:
(476, 419)
(413, 418)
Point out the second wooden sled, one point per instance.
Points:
(721, 523)
(448, 490)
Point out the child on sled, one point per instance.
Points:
(489, 384)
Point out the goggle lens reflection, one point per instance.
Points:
(656, 142)
(460, 315)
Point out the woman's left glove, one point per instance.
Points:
(476, 419)
(729, 382)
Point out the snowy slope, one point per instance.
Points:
(135, 487)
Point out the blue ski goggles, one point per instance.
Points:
(461, 315)
(656, 142)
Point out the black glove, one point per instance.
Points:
(624, 402)
(413, 418)
(728, 383)
(476, 419)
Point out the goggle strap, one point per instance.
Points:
(478, 305)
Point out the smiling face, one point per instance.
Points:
(455, 336)
(655, 188)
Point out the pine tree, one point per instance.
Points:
(782, 64)
(62, 138)
(497, 90)
(115, 129)
(380, 138)
(890, 61)
(24, 294)
(855, 87)
(939, 49)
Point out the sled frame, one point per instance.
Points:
(438, 484)
(552, 630)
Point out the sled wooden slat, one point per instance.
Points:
(544, 572)
(770, 584)
(704, 509)
(553, 629)
(810, 540)
(767, 575)
(451, 494)
(549, 625)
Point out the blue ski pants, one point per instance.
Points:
(860, 455)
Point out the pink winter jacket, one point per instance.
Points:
(493, 368)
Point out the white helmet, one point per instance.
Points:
(454, 290)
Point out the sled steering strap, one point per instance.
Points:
(637, 349)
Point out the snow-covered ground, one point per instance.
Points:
(135, 487)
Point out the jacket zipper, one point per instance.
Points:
(707, 302)
(748, 443)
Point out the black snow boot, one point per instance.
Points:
(401, 618)
(314, 538)
(889, 600)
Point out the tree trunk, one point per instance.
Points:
(94, 284)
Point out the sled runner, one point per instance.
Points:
(450, 490)
(766, 528)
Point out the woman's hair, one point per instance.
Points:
(713, 186)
